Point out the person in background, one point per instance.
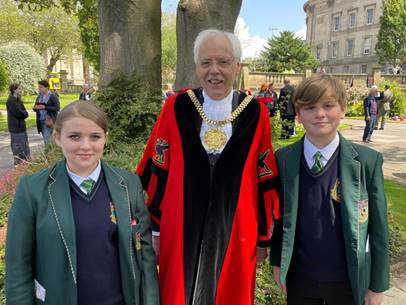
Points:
(84, 95)
(384, 107)
(46, 107)
(332, 244)
(272, 106)
(370, 112)
(16, 115)
(287, 110)
(79, 232)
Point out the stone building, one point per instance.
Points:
(343, 33)
(78, 72)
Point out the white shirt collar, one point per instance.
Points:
(227, 99)
(310, 149)
(79, 179)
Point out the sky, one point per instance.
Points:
(259, 19)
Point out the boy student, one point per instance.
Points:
(332, 244)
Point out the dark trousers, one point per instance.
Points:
(19, 146)
(369, 128)
(288, 126)
(305, 291)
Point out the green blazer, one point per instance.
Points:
(41, 242)
(363, 212)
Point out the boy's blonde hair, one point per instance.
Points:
(312, 89)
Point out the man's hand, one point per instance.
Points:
(262, 254)
(276, 277)
(156, 246)
(368, 118)
(373, 298)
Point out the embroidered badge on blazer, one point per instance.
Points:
(363, 211)
(335, 192)
(264, 167)
(113, 217)
(137, 239)
(161, 146)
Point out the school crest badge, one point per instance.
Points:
(363, 211)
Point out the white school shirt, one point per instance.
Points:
(326, 152)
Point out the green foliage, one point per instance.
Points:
(391, 45)
(25, 66)
(267, 292)
(55, 31)
(89, 31)
(132, 109)
(4, 77)
(168, 41)
(46, 30)
(287, 52)
(398, 104)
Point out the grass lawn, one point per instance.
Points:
(396, 194)
(29, 100)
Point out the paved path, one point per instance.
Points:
(6, 157)
(391, 142)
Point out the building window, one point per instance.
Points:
(318, 52)
(370, 16)
(367, 45)
(336, 23)
(350, 47)
(353, 20)
(346, 69)
(364, 69)
(334, 50)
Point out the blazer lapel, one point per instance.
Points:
(350, 173)
(121, 201)
(59, 198)
(290, 181)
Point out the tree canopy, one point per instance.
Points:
(286, 52)
(391, 45)
(50, 30)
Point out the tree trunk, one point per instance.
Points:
(130, 40)
(52, 62)
(192, 17)
(86, 72)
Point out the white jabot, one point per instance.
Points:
(79, 179)
(217, 110)
(310, 149)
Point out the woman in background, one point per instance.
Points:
(16, 115)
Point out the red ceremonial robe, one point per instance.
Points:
(210, 219)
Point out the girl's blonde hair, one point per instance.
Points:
(85, 109)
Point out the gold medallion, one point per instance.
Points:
(215, 138)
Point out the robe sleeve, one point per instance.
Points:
(268, 184)
(154, 165)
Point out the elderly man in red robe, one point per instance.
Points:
(211, 178)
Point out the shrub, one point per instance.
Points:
(24, 65)
(132, 108)
(4, 77)
(398, 104)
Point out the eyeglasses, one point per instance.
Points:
(222, 62)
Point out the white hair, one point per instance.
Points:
(206, 34)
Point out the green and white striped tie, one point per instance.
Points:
(317, 166)
(87, 185)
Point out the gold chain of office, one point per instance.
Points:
(215, 138)
(219, 123)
